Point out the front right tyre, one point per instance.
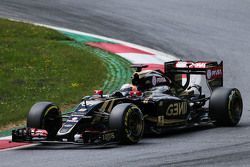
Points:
(128, 120)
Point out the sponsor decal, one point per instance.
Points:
(73, 119)
(82, 109)
(177, 109)
(185, 64)
(160, 80)
(38, 132)
(89, 103)
(209, 74)
(198, 65)
(157, 80)
(108, 136)
(67, 125)
(214, 73)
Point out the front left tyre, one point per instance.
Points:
(45, 115)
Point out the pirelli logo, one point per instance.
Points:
(177, 109)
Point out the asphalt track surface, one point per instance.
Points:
(190, 29)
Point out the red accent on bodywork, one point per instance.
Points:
(38, 132)
(116, 48)
(190, 64)
(98, 92)
(135, 93)
(183, 75)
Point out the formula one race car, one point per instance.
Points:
(154, 102)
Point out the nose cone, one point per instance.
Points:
(69, 125)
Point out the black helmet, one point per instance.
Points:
(147, 79)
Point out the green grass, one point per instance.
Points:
(37, 64)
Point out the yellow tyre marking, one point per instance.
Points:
(50, 108)
(131, 138)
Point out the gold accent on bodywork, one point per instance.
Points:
(160, 121)
(141, 74)
(104, 105)
(166, 121)
(111, 105)
(107, 106)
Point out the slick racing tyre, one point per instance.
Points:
(128, 120)
(45, 115)
(226, 106)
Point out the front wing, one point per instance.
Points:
(88, 137)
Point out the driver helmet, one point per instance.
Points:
(127, 88)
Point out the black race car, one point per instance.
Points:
(154, 102)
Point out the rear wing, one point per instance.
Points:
(211, 69)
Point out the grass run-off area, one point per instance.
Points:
(37, 64)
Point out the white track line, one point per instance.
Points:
(6, 138)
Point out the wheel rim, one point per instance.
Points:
(135, 124)
(236, 109)
(51, 121)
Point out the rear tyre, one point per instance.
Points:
(128, 119)
(226, 106)
(45, 115)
